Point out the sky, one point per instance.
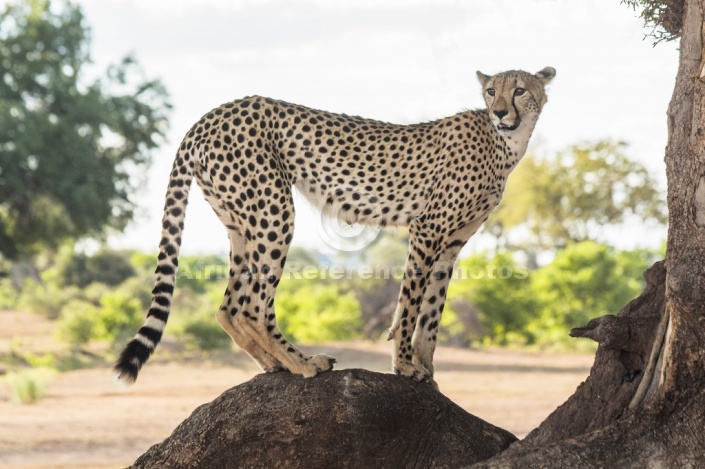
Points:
(392, 60)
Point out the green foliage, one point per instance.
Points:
(206, 334)
(388, 249)
(301, 256)
(67, 145)
(106, 266)
(198, 272)
(138, 288)
(501, 291)
(78, 324)
(45, 299)
(572, 196)
(119, 317)
(44, 360)
(584, 281)
(308, 313)
(193, 317)
(143, 262)
(114, 318)
(9, 295)
(28, 386)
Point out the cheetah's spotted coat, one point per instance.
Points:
(442, 179)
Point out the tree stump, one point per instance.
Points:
(350, 418)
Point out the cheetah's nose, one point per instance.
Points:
(501, 113)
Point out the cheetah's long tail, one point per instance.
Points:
(139, 349)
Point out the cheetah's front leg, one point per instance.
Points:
(423, 341)
(420, 335)
(416, 275)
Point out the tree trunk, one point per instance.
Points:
(348, 418)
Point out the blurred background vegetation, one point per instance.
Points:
(71, 152)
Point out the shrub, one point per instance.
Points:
(78, 269)
(205, 335)
(139, 288)
(586, 280)
(119, 317)
(28, 386)
(500, 290)
(47, 300)
(78, 324)
(45, 360)
(9, 296)
(318, 313)
(198, 272)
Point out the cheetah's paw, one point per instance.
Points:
(415, 371)
(275, 369)
(317, 364)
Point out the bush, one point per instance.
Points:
(104, 313)
(205, 335)
(78, 269)
(9, 296)
(119, 317)
(197, 273)
(139, 288)
(78, 324)
(501, 292)
(28, 386)
(115, 318)
(47, 300)
(584, 281)
(318, 314)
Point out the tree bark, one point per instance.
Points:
(620, 363)
(348, 418)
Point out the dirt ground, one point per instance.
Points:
(85, 422)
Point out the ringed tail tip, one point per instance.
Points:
(130, 362)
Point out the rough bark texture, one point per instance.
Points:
(625, 344)
(348, 418)
(657, 437)
(685, 169)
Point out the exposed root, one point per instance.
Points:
(651, 380)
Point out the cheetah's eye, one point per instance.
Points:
(519, 91)
(490, 91)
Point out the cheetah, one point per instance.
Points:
(441, 179)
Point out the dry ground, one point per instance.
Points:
(85, 422)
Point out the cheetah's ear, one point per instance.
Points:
(546, 75)
(482, 77)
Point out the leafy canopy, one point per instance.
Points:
(69, 148)
(552, 202)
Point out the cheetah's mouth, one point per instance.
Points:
(507, 127)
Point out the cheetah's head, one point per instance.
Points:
(514, 96)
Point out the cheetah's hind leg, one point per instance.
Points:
(230, 307)
(263, 271)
